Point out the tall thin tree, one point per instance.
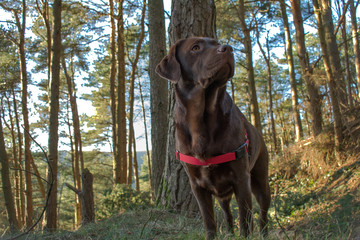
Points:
(134, 66)
(77, 153)
(293, 84)
(6, 184)
(354, 31)
(121, 155)
(15, 159)
(313, 90)
(332, 74)
(146, 134)
(254, 106)
(158, 92)
(112, 85)
(51, 211)
(348, 74)
(21, 25)
(333, 53)
(266, 56)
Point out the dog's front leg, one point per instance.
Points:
(225, 205)
(242, 190)
(205, 203)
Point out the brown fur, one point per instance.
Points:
(209, 124)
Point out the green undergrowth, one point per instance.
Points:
(315, 195)
(316, 190)
(150, 223)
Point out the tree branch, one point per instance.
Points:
(342, 17)
(73, 188)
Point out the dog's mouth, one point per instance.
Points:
(218, 72)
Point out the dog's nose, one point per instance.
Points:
(224, 48)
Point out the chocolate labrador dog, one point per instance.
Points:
(221, 151)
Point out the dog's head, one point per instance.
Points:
(198, 61)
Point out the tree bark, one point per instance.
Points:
(314, 104)
(188, 18)
(355, 36)
(87, 197)
(112, 86)
(51, 211)
(293, 84)
(269, 85)
(44, 12)
(324, 30)
(77, 137)
(132, 87)
(334, 54)
(136, 165)
(347, 61)
(6, 184)
(21, 195)
(121, 158)
(16, 162)
(158, 93)
(77, 207)
(254, 106)
(146, 137)
(21, 25)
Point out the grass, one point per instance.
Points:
(148, 223)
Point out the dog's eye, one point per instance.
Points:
(195, 48)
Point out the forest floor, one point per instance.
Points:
(314, 196)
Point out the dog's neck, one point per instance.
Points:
(199, 115)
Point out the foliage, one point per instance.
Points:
(121, 198)
(317, 190)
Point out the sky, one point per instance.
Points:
(83, 105)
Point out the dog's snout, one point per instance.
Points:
(225, 48)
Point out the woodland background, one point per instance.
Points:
(82, 74)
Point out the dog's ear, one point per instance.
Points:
(169, 67)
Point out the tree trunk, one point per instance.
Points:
(158, 93)
(77, 137)
(146, 137)
(121, 158)
(38, 178)
(290, 59)
(334, 54)
(6, 184)
(313, 90)
(188, 18)
(51, 213)
(325, 42)
(136, 165)
(16, 163)
(44, 12)
(25, 112)
(269, 85)
(354, 29)
(21, 195)
(77, 207)
(254, 106)
(347, 62)
(112, 86)
(132, 87)
(87, 197)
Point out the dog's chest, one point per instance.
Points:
(216, 179)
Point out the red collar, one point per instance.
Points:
(227, 157)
